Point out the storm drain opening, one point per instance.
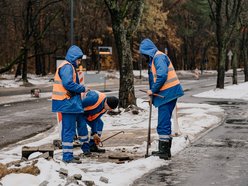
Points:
(237, 121)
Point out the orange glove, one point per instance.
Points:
(97, 139)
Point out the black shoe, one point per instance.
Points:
(76, 157)
(94, 148)
(87, 154)
(73, 161)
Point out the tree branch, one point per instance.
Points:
(136, 16)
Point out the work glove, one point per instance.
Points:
(87, 89)
(97, 139)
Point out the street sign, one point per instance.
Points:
(104, 50)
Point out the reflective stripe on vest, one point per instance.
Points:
(59, 91)
(172, 79)
(93, 117)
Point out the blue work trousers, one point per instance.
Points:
(164, 120)
(69, 122)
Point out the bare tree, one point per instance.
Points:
(28, 21)
(244, 38)
(125, 17)
(225, 14)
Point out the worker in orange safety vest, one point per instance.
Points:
(66, 98)
(95, 104)
(164, 82)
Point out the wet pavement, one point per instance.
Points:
(218, 158)
(22, 120)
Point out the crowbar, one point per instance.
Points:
(149, 129)
(153, 94)
(101, 142)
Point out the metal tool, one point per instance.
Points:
(149, 129)
(101, 142)
(153, 94)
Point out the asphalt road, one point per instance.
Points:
(22, 120)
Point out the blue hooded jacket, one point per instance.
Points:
(72, 105)
(161, 63)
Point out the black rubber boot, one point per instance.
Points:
(170, 142)
(164, 149)
(94, 148)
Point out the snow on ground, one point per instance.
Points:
(193, 120)
(9, 81)
(239, 91)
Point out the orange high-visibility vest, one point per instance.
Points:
(172, 79)
(93, 117)
(59, 91)
(101, 97)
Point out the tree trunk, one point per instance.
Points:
(245, 54)
(123, 28)
(18, 70)
(235, 64)
(126, 91)
(43, 64)
(246, 65)
(234, 67)
(185, 54)
(221, 68)
(38, 67)
(24, 66)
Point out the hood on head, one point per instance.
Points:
(74, 53)
(147, 47)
